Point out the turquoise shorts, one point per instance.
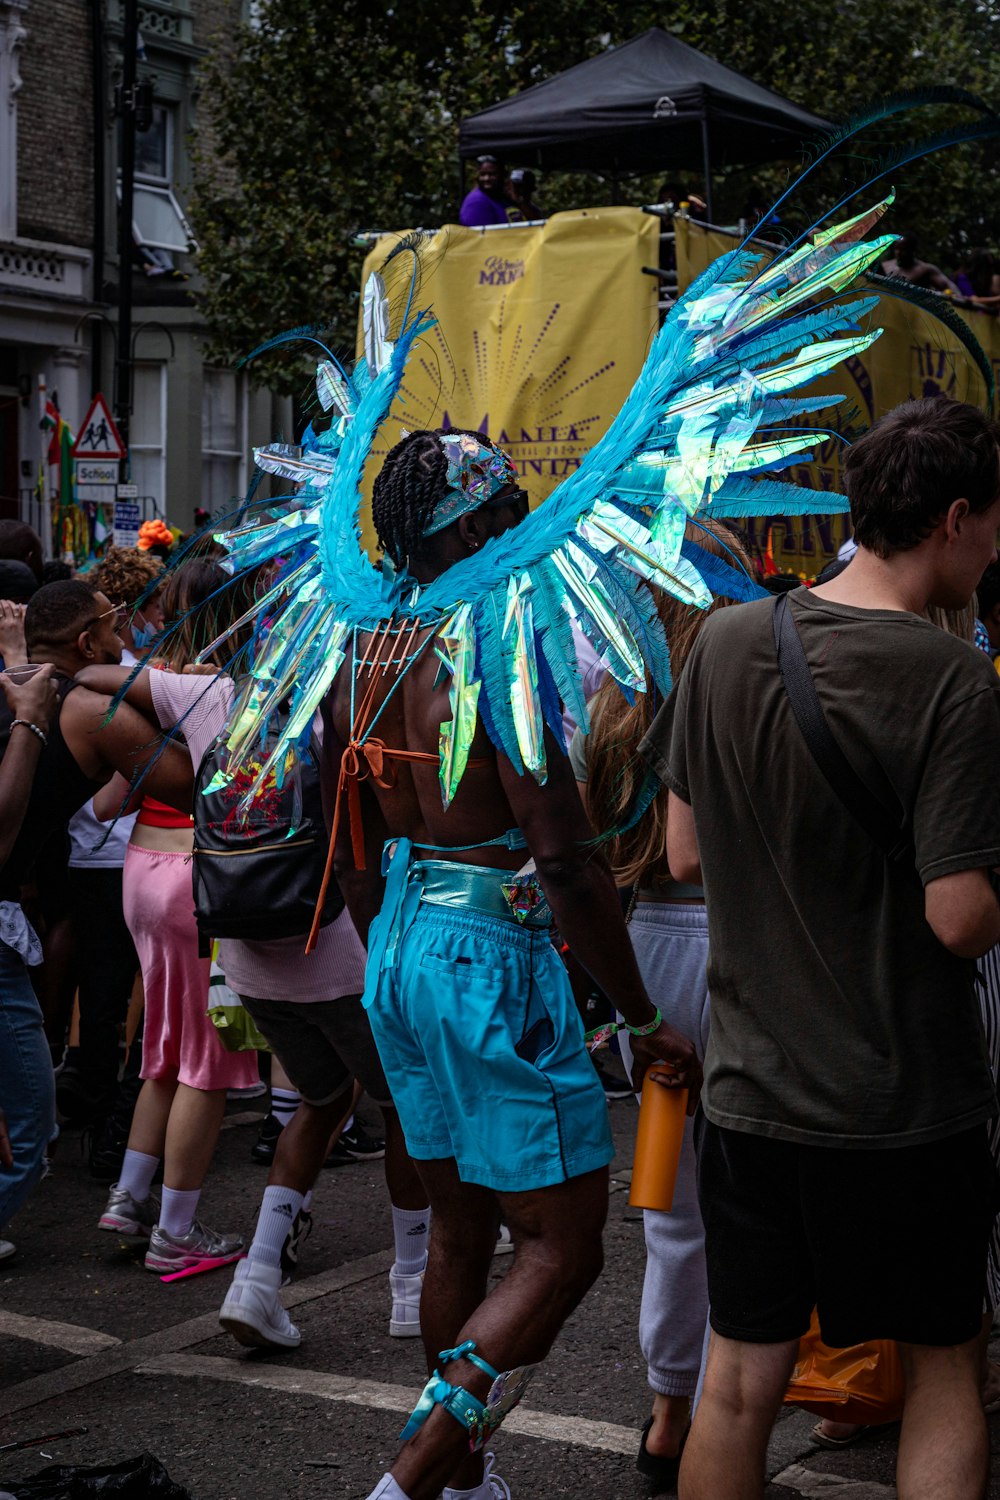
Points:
(483, 1048)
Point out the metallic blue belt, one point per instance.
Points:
(471, 888)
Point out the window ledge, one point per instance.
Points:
(38, 266)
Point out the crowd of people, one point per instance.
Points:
(796, 918)
(500, 196)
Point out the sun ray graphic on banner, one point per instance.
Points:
(536, 346)
(508, 387)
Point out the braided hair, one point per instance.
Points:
(412, 480)
(409, 485)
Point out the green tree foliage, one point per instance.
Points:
(328, 117)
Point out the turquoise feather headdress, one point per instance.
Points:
(706, 427)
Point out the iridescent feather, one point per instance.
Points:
(711, 417)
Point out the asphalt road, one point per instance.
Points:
(88, 1338)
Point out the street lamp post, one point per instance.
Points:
(128, 103)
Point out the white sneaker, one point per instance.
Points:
(504, 1244)
(406, 1290)
(7, 1249)
(492, 1487)
(252, 1311)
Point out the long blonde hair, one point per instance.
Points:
(960, 622)
(199, 602)
(614, 770)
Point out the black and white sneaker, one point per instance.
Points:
(355, 1145)
(265, 1145)
(298, 1234)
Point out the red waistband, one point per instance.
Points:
(153, 814)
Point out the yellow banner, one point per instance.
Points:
(916, 356)
(540, 334)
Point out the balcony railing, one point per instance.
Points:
(159, 21)
(36, 266)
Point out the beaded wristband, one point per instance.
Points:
(33, 727)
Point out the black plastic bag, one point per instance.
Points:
(132, 1479)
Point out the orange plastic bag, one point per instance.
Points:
(861, 1384)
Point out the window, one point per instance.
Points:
(148, 431)
(223, 438)
(158, 220)
(153, 147)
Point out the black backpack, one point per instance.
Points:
(257, 875)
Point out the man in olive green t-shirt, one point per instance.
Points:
(843, 1161)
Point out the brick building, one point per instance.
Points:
(192, 423)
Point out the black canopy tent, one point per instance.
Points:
(651, 105)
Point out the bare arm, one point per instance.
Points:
(582, 895)
(108, 680)
(682, 841)
(116, 799)
(127, 743)
(942, 283)
(12, 646)
(963, 912)
(35, 701)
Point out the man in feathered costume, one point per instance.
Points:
(457, 830)
(469, 1002)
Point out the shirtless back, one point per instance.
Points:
(406, 708)
(470, 1006)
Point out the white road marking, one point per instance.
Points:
(529, 1422)
(107, 1362)
(66, 1336)
(810, 1482)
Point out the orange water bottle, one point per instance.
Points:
(662, 1113)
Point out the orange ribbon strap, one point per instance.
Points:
(363, 758)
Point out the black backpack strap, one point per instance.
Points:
(885, 827)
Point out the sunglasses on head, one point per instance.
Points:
(120, 612)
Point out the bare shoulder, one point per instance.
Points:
(82, 715)
(83, 709)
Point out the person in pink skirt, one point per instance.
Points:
(186, 1070)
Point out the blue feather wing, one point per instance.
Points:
(712, 414)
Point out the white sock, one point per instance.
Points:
(284, 1103)
(388, 1489)
(277, 1215)
(177, 1209)
(307, 1201)
(410, 1228)
(482, 1491)
(349, 1125)
(137, 1173)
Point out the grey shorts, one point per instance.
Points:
(322, 1044)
